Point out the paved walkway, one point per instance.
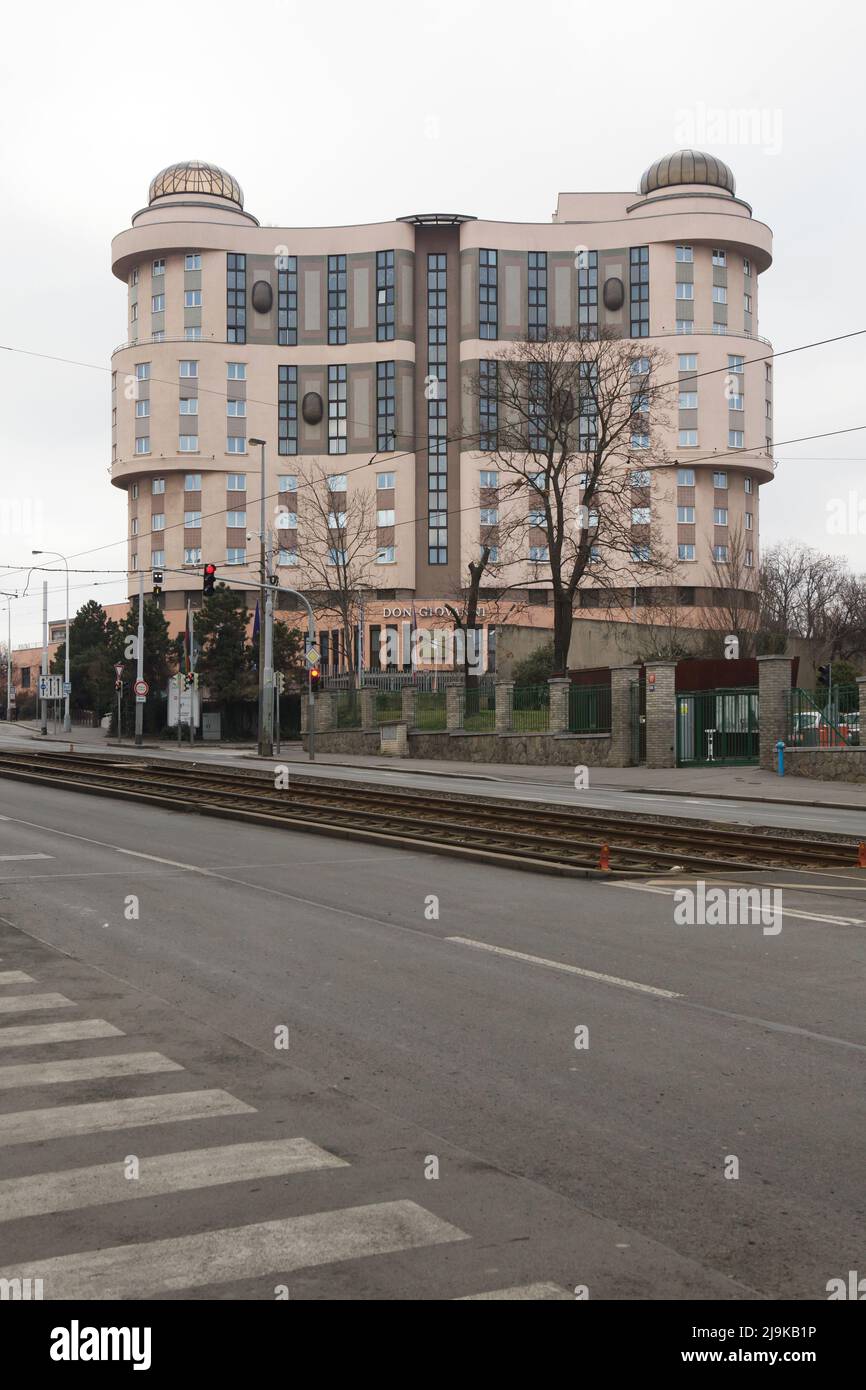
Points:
(737, 783)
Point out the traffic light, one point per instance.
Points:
(824, 676)
(209, 580)
(156, 587)
(315, 677)
(280, 681)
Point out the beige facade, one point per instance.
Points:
(235, 329)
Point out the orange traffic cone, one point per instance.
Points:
(861, 855)
(604, 857)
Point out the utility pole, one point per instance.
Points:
(265, 743)
(44, 703)
(139, 665)
(9, 693)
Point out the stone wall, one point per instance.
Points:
(827, 764)
(567, 750)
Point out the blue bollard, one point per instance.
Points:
(780, 754)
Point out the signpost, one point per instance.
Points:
(51, 688)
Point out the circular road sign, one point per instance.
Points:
(141, 687)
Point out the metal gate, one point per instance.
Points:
(637, 721)
(717, 727)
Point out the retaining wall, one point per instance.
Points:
(568, 750)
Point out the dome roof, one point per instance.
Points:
(687, 166)
(194, 176)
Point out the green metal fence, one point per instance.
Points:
(589, 709)
(530, 709)
(477, 709)
(717, 726)
(348, 710)
(389, 705)
(830, 723)
(430, 710)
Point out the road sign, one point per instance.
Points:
(141, 688)
(118, 669)
(141, 699)
(67, 687)
(50, 687)
(313, 656)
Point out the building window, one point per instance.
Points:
(386, 555)
(236, 555)
(142, 409)
(686, 516)
(748, 485)
(640, 516)
(384, 481)
(587, 294)
(133, 313)
(236, 408)
(287, 300)
(189, 405)
(488, 478)
(236, 297)
(684, 255)
(337, 388)
(337, 482)
(685, 325)
(142, 444)
(236, 444)
(639, 290)
(685, 477)
(236, 482)
(719, 257)
(192, 482)
(750, 559)
(157, 485)
(489, 516)
(336, 556)
(135, 562)
(720, 516)
(133, 492)
(142, 371)
(157, 559)
(587, 416)
(538, 553)
(747, 266)
(686, 551)
(537, 296)
(159, 267)
(192, 520)
(720, 294)
(735, 439)
(287, 396)
(688, 439)
(192, 299)
(736, 402)
(538, 407)
(386, 407)
(157, 303)
(133, 279)
(747, 303)
(158, 336)
(720, 553)
(488, 405)
(192, 335)
(748, 521)
(192, 260)
(639, 366)
(337, 314)
(640, 441)
(236, 519)
(688, 400)
(288, 557)
(488, 291)
(336, 520)
(192, 555)
(134, 526)
(736, 364)
(720, 329)
(187, 443)
(385, 516)
(720, 480)
(639, 477)
(286, 521)
(688, 361)
(685, 289)
(437, 409)
(641, 553)
(385, 296)
(236, 371)
(189, 369)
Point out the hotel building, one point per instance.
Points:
(320, 340)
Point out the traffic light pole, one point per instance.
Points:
(311, 631)
(139, 664)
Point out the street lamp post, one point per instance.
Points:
(9, 597)
(67, 716)
(266, 693)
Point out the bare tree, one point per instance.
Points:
(464, 607)
(568, 423)
(336, 547)
(736, 610)
(811, 595)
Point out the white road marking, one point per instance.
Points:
(29, 1035)
(570, 969)
(15, 977)
(275, 1248)
(173, 1172)
(7, 858)
(25, 1003)
(62, 1121)
(84, 1069)
(521, 1291)
(827, 918)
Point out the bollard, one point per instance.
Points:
(780, 755)
(604, 857)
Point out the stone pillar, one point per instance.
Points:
(774, 684)
(453, 711)
(326, 711)
(368, 709)
(621, 678)
(504, 691)
(408, 711)
(661, 714)
(861, 687)
(559, 688)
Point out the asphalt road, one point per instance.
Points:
(431, 1010)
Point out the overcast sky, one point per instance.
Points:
(357, 112)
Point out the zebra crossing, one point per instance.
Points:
(198, 1261)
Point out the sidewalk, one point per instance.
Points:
(727, 783)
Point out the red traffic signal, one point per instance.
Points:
(315, 677)
(209, 580)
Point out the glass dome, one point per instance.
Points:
(194, 176)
